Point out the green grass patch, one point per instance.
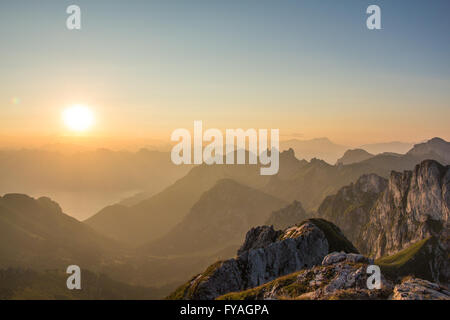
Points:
(414, 260)
(402, 257)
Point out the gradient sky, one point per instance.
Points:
(310, 68)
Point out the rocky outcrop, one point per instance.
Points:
(415, 206)
(354, 156)
(340, 276)
(259, 237)
(266, 255)
(287, 216)
(418, 289)
(350, 208)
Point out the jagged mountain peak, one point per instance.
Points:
(415, 205)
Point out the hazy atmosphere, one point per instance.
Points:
(135, 161)
(309, 68)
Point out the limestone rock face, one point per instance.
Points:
(415, 206)
(336, 257)
(350, 208)
(259, 237)
(265, 255)
(340, 276)
(418, 289)
(300, 247)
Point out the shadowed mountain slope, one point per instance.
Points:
(220, 218)
(35, 232)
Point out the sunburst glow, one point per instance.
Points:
(78, 118)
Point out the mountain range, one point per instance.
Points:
(390, 207)
(389, 147)
(84, 182)
(320, 148)
(406, 229)
(330, 152)
(307, 182)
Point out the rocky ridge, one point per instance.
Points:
(341, 276)
(419, 289)
(266, 255)
(414, 206)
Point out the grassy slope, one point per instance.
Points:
(413, 260)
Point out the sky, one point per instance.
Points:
(309, 68)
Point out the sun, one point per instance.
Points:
(78, 118)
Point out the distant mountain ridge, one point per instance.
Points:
(84, 182)
(389, 147)
(152, 218)
(353, 156)
(307, 182)
(437, 149)
(321, 148)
